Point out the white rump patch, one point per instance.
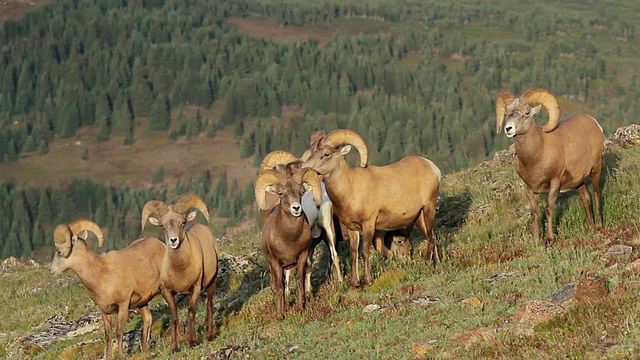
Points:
(434, 167)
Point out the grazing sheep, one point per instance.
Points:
(553, 158)
(190, 262)
(373, 199)
(116, 281)
(319, 217)
(286, 235)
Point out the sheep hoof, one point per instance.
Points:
(550, 241)
(193, 343)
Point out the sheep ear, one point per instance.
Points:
(83, 235)
(192, 215)
(307, 187)
(344, 150)
(271, 190)
(154, 221)
(535, 109)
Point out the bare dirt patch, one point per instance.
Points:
(265, 28)
(12, 9)
(115, 163)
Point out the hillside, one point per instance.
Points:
(498, 293)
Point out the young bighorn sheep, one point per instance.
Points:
(190, 262)
(553, 158)
(286, 234)
(319, 217)
(373, 199)
(116, 281)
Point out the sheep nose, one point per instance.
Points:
(295, 208)
(173, 240)
(508, 128)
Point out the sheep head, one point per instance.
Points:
(327, 151)
(173, 218)
(289, 189)
(66, 238)
(276, 158)
(517, 114)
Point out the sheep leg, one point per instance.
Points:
(277, 287)
(425, 225)
(596, 172)
(301, 277)
(534, 204)
(170, 298)
(586, 203)
(368, 233)
(307, 270)
(191, 320)
(287, 277)
(108, 326)
(554, 190)
(331, 243)
(147, 319)
(123, 313)
(354, 243)
(210, 326)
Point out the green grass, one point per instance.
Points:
(482, 230)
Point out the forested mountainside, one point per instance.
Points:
(411, 77)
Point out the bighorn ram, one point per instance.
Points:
(190, 262)
(319, 218)
(372, 199)
(116, 281)
(286, 235)
(556, 157)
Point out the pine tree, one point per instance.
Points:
(160, 118)
(43, 148)
(158, 176)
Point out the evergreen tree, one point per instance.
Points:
(43, 148)
(29, 144)
(159, 118)
(158, 176)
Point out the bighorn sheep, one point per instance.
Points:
(286, 235)
(372, 199)
(190, 262)
(116, 281)
(319, 218)
(553, 158)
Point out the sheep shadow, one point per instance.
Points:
(451, 214)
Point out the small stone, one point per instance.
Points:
(472, 301)
(618, 253)
(370, 308)
(422, 348)
(564, 294)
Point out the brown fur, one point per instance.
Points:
(117, 281)
(556, 160)
(373, 200)
(188, 269)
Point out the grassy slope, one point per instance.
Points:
(482, 231)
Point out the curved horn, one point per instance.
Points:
(345, 136)
(275, 158)
(311, 177)
(152, 207)
(501, 106)
(317, 135)
(81, 225)
(192, 201)
(549, 101)
(62, 239)
(265, 179)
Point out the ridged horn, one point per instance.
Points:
(549, 101)
(269, 177)
(501, 106)
(62, 238)
(315, 137)
(192, 201)
(275, 158)
(311, 177)
(152, 207)
(345, 136)
(81, 225)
